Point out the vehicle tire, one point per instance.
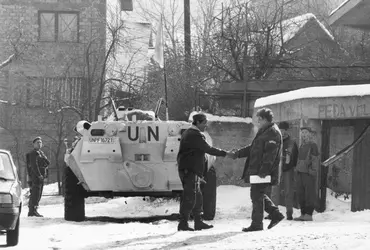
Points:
(209, 195)
(74, 197)
(12, 236)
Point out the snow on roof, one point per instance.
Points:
(216, 118)
(292, 26)
(315, 92)
(340, 6)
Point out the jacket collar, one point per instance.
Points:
(195, 128)
(265, 127)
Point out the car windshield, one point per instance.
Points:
(6, 168)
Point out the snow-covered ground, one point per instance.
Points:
(109, 226)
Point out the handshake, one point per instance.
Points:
(231, 154)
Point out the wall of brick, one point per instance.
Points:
(19, 29)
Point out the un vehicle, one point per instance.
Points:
(131, 154)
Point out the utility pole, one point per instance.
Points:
(187, 37)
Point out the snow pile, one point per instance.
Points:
(216, 118)
(315, 92)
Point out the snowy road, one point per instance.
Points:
(337, 228)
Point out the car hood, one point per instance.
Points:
(5, 186)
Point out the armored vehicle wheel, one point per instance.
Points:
(74, 197)
(209, 195)
(12, 236)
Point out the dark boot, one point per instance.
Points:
(300, 218)
(276, 218)
(31, 212)
(200, 225)
(252, 228)
(36, 213)
(268, 217)
(289, 216)
(184, 226)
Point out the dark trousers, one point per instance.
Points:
(261, 202)
(306, 188)
(192, 199)
(36, 188)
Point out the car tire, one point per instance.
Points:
(12, 236)
(210, 195)
(74, 197)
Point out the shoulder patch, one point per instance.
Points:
(272, 142)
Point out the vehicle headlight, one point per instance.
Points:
(5, 199)
(81, 126)
(111, 130)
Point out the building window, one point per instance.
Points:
(58, 26)
(58, 92)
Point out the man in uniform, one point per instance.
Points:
(307, 167)
(264, 158)
(37, 164)
(191, 164)
(290, 156)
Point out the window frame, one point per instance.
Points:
(14, 177)
(56, 25)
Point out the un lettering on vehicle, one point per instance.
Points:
(136, 132)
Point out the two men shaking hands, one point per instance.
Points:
(263, 158)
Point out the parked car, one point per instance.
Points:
(10, 198)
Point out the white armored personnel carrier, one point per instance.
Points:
(132, 153)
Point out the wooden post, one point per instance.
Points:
(325, 138)
(244, 107)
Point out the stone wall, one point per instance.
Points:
(230, 135)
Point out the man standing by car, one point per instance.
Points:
(37, 164)
(290, 156)
(191, 164)
(264, 156)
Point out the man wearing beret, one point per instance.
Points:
(37, 164)
(191, 166)
(307, 167)
(290, 157)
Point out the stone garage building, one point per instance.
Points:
(338, 114)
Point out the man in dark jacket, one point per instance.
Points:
(264, 156)
(290, 157)
(37, 164)
(191, 165)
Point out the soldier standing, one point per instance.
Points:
(290, 156)
(191, 164)
(307, 167)
(37, 164)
